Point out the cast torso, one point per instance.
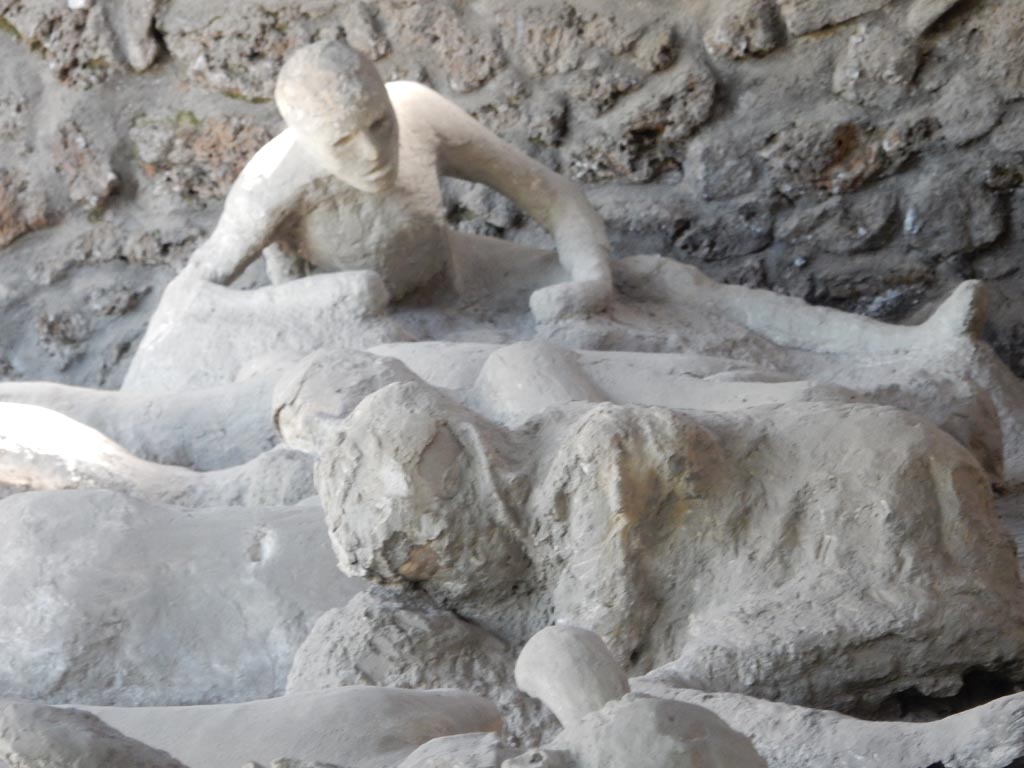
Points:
(400, 232)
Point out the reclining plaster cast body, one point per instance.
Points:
(353, 184)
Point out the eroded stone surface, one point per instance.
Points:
(804, 16)
(848, 224)
(195, 158)
(748, 28)
(22, 207)
(663, 116)
(89, 178)
(1002, 48)
(78, 42)
(923, 13)
(830, 155)
(724, 169)
(952, 215)
(877, 67)
(967, 110)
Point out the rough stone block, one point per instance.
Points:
(744, 28)
(804, 16)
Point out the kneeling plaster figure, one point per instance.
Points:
(353, 184)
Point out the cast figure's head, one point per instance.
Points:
(334, 100)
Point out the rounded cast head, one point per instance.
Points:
(335, 102)
(571, 670)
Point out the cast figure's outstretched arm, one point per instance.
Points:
(263, 195)
(468, 150)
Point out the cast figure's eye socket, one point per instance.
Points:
(379, 124)
(344, 140)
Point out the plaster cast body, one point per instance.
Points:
(573, 673)
(627, 519)
(213, 428)
(353, 184)
(105, 599)
(785, 736)
(355, 727)
(42, 450)
(36, 735)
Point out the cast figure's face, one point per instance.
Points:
(345, 121)
(360, 147)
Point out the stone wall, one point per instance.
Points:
(865, 154)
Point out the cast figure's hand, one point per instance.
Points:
(570, 300)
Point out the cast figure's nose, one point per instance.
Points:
(368, 150)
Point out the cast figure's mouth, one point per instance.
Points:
(378, 173)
